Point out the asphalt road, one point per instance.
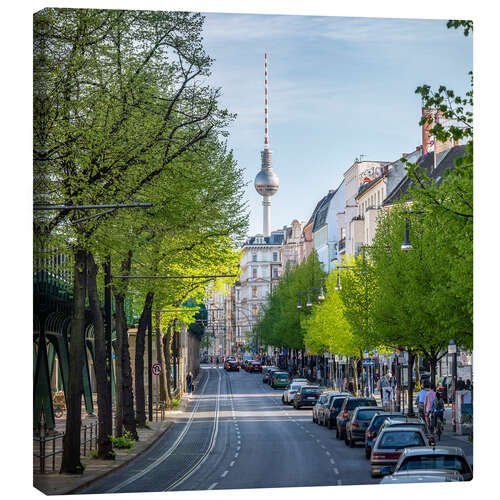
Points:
(236, 433)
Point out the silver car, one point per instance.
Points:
(437, 457)
(321, 401)
(290, 392)
(389, 446)
(422, 476)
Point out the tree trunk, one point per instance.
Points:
(162, 376)
(118, 366)
(411, 359)
(355, 370)
(104, 405)
(433, 362)
(418, 380)
(70, 463)
(140, 342)
(167, 349)
(125, 396)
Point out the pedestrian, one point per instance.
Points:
(189, 381)
(429, 399)
(467, 395)
(468, 385)
(460, 384)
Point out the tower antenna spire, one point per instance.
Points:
(266, 182)
(266, 110)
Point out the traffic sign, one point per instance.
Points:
(156, 369)
(452, 349)
(368, 362)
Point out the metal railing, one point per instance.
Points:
(88, 443)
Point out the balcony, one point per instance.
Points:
(341, 245)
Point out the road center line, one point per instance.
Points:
(236, 455)
(328, 453)
(212, 486)
(336, 470)
(224, 474)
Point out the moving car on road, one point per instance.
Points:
(437, 457)
(357, 424)
(373, 428)
(348, 406)
(231, 365)
(254, 367)
(279, 380)
(307, 395)
(290, 391)
(390, 445)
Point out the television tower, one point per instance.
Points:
(266, 182)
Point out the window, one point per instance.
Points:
(275, 272)
(254, 272)
(275, 256)
(254, 291)
(254, 257)
(255, 309)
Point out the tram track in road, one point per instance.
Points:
(211, 445)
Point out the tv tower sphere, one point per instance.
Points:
(266, 181)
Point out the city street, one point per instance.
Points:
(236, 433)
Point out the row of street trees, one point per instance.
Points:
(388, 299)
(123, 114)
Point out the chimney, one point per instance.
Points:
(426, 112)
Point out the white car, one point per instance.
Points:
(290, 392)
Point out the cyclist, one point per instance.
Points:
(437, 410)
(420, 401)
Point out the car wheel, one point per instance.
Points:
(346, 439)
(367, 453)
(329, 424)
(352, 443)
(337, 433)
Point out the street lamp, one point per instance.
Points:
(407, 246)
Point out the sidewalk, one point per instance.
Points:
(54, 483)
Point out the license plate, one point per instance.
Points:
(309, 398)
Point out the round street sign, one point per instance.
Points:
(156, 368)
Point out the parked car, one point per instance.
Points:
(290, 391)
(357, 424)
(324, 410)
(307, 395)
(299, 379)
(321, 401)
(231, 365)
(373, 428)
(330, 415)
(422, 476)
(345, 412)
(267, 371)
(389, 446)
(254, 366)
(279, 380)
(437, 457)
(405, 421)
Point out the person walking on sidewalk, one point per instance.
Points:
(189, 381)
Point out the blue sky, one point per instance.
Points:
(339, 87)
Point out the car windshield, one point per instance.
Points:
(379, 420)
(354, 403)
(366, 414)
(448, 462)
(294, 387)
(400, 439)
(337, 403)
(281, 375)
(310, 390)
